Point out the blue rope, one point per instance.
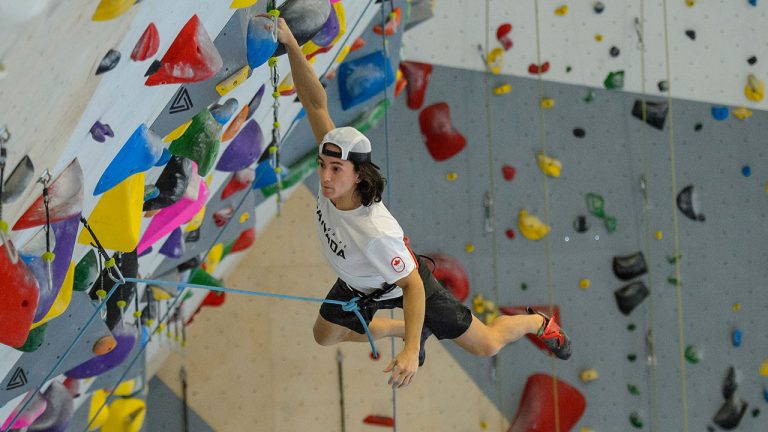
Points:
(348, 306)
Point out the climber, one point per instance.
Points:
(364, 244)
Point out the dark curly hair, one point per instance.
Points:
(371, 184)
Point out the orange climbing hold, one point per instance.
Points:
(236, 124)
(192, 57)
(393, 22)
(357, 44)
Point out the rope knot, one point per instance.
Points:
(351, 306)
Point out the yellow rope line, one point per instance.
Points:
(547, 239)
(678, 287)
(647, 218)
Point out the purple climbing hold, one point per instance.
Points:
(243, 150)
(126, 339)
(255, 102)
(174, 245)
(330, 30)
(99, 131)
(59, 410)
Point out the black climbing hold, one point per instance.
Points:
(730, 383)
(663, 85)
(579, 133)
(630, 296)
(629, 266)
(691, 34)
(128, 263)
(580, 224)
(599, 7)
(614, 51)
(568, 69)
(631, 327)
(109, 62)
(655, 113)
(153, 68)
(729, 415)
(632, 357)
(688, 204)
(698, 127)
(752, 60)
(189, 264)
(172, 183)
(192, 236)
(755, 412)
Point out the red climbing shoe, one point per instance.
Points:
(553, 336)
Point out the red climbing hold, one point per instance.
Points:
(244, 240)
(147, 45)
(214, 298)
(393, 22)
(451, 274)
(510, 233)
(508, 172)
(19, 294)
(536, 411)
(357, 44)
(240, 180)
(417, 75)
(192, 57)
(502, 34)
(379, 420)
(520, 310)
(400, 85)
(66, 199)
(221, 217)
(535, 69)
(443, 141)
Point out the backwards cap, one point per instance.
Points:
(355, 146)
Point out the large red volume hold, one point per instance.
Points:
(148, 44)
(192, 57)
(451, 274)
(520, 310)
(417, 75)
(443, 141)
(536, 412)
(19, 294)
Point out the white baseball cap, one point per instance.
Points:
(355, 146)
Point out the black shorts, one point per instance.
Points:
(444, 316)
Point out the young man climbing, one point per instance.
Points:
(364, 244)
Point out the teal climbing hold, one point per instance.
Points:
(140, 153)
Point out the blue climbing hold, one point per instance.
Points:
(142, 150)
(720, 113)
(222, 113)
(265, 175)
(259, 42)
(746, 171)
(244, 150)
(164, 158)
(174, 245)
(364, 78)
(752, 2)
(736, 337)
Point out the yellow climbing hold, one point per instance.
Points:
(125, 415)
(110, 9)
(549, 166)
(586, 429)
(494, 60)
(531, 226)
(116, 219)
(233, 80)
(764, 368)
(469, 248)
(159, 294)
(176, 133)
(125, 388)
(742, 113)
(690, 3)
(98, 398)
(451, 176)
(196, 221)
(244, 217)
(286, 85)
(483, 425)
(562, 10)
(214, 257)
(547, 103)
(755, 88)
(588, 375)
(599, 37)
(342, 54)
(478, 304)
(309, 48)
(239, 4)
(63, 298)
(502, 89)
(736, 307)
(659, 235)
(584, 283)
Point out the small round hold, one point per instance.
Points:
(568, 69)
(547, 103)
(614, 51)
(663, 85)
(469, 248)
(631, 327)
(483, 425)
(523, 286)
(736, 307)
(698, 127)
(579, 133)
(691, 34)
(244, 217)
(746, 171)
(599, 7)
(598, 37)
(659, 235)
(580, 224)
(755, 412)
(631, 357)
(736, 338)
(752, 60)
(451, 176)
(510, 233)
(584, 283)
(690, 3)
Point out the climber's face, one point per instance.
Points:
(338, 178)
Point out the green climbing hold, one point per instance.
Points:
(202, 277)
(633, 390)
(673, 259)
(372, 117)
(614, 80)
(523, 286)
(596, 205)
(86, 272)
(635, 420)
(35, 339)
(632, 357)
(200, 142)
(674, 281)
(631, 327)
(692, 354)
(610, 223)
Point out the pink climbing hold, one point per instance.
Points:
(520, 310)
(417, 75)
(535, 69)
(508, 172)
(148, 44)
(192, 57)
(536, 412)
(443, 141)
(173, 216)
(451, 274)
(502, 34)
(34, 409)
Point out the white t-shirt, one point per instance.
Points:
(364, 246)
